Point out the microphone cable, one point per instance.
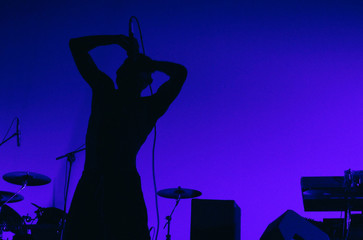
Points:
(154, 141)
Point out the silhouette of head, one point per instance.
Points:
(132, 76)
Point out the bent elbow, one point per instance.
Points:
(74, 44)
(183, 72)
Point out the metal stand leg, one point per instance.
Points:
(168, 218)
(21, 189)
(168, 236)
(347, 221)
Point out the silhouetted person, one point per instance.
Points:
(108, 202)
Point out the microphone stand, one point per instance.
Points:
(70, 153)
(71, 158)
(15, 134)
(168, 218)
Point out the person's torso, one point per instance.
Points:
(116, 131)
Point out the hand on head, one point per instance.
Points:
(133, 48)
(144, 63)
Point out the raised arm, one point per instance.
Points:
(80, 48)
(168, 91)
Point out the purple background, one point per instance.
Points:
(274, 93)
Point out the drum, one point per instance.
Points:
(48, 224)
(11, 221)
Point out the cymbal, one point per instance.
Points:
(28, 178)
(176, 193)
(4, 196)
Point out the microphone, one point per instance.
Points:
(35, 205)
(131, 30)
(17, 132)
(132, 52)
(39, 211)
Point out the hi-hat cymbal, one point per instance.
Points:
(26, 178)
(179, 193)
(5, 196)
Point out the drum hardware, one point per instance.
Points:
(49, 224)
(50, 215)
(46, 228)
(10, 220)
(27, 218)
(178, 194)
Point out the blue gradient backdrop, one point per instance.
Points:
(274, 93)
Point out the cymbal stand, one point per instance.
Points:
(21, 189)
(168, 218)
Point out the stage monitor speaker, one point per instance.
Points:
(291, 225)
(215, 220)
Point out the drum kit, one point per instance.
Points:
(48, 220)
